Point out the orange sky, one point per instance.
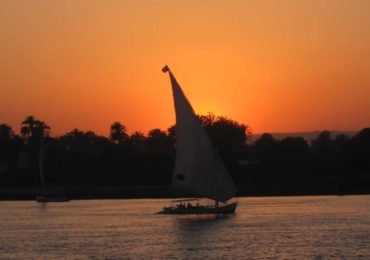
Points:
(277, 66)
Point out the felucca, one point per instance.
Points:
(198, 167)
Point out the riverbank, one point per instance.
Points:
(127, 192)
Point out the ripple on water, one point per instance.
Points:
(318, 227)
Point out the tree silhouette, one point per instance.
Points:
(32, 127)
(207, 120)
(265, 149)
(171, 133)
(137, 139)
(359, 151)
(6, 132)
(6, 135)
(324, 148)
(226, 133)
(41, 129)
(27, 126)
(158, 142)
(323, 143)
(293, 152)
(156, 137)
(118, 132)
(335, 165)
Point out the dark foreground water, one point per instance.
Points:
(321, 227)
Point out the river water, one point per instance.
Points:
(317, 227)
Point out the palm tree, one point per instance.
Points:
(157, 134)
(41, 129)
(207, 120)
(118, 132)
(27, 126)
(171, 133)
(31, 127)
(137, 139)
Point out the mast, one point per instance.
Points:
(42, 164)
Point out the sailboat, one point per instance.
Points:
(45, 197)
(198, 168)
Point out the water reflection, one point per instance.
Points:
(198, 233)
(42, 206)
(281, 227)
(202, 220)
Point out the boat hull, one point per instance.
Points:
(51, 199)
(227, 209)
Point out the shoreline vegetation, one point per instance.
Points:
(83, 165)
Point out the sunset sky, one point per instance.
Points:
(277, 66)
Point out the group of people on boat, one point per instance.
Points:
(189, 206)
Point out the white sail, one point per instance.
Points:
(198, 167)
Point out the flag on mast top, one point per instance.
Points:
(165, 69)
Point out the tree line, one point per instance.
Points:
(327, 164)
